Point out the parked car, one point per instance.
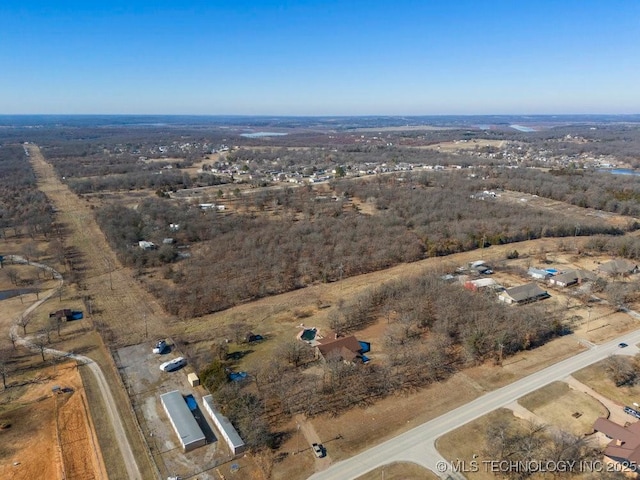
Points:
(318, 449)
(160, 346)
(173, 364)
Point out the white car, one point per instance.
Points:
(160, 346)
(173, 364)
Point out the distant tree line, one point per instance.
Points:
(23, 208)
(613, 193)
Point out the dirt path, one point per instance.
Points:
(311, 436)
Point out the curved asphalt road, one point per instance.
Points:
(133, 472)
(418, 445)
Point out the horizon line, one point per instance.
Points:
(318, 115)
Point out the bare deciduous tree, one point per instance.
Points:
(23, 321)
(41, 343)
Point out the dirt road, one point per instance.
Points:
(112, 408)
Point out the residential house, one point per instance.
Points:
(624, 447)
(619, 266)
(348, 349)
(521, 294)
(572, 277)
(145, 245)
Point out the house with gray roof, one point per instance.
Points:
(619, 266)
(521, 294)
(572, 277)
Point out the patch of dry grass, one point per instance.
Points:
(462, 444)
(565, 408)
(596, 377)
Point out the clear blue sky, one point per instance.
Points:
(320, 57)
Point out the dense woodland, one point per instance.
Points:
(427, 339)
(286, 239)
(23, 208)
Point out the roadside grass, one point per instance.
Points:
(291, 465)
(362, 427)
(596, 377)
(106, 436)
(400, 471)
(561, 406)
(491, 377)
(460, 445)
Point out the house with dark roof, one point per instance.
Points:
(348, 349)
(572, 277)
(624, 447)
(619, 266)
(521, 294)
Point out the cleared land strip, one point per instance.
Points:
(126, 309)
(117, 301)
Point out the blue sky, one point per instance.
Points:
(320, 57)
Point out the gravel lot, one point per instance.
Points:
(140, 370)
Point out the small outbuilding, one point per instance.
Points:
(193, 379)
(479, 284)
(538, 273)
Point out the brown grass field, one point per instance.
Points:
(50, 435)
(596, 377)
(559, 405)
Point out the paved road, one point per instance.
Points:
(418, 445)
(133, 472)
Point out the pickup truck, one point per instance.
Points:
(318, 449)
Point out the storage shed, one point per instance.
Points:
(224, 426)
(193, 379)
(183, 421)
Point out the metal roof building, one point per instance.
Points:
(224, 426)
(184, 424)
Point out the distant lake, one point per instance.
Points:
(620, 171)
(262, 134)
(521, 128)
